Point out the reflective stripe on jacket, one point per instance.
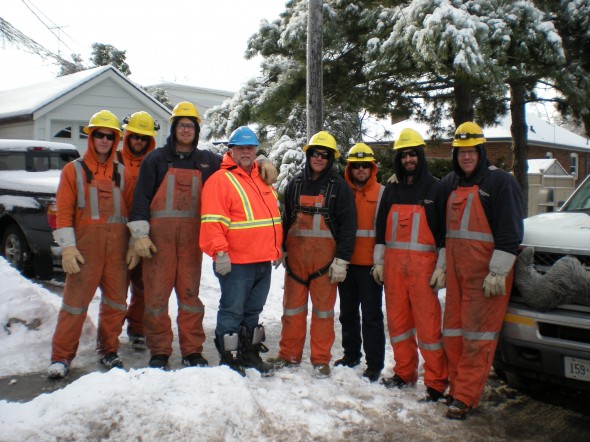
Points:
(240, 215)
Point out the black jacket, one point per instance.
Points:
(342, 206)
(425, 190)
(500, 196)
(155, 166)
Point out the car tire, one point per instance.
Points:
(16, 250)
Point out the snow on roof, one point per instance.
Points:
(540, 132)
(546, 166)
(23, 145)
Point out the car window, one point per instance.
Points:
(36, 161)
(12, 161)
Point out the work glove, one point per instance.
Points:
(132, 258)
(223, 264)
(439, 276)
(70, 256)
(500, 266)
(268, 172)
(393, 179)
(281, 261)
(378, 263)
(337, 270)
(377, 273)
(144, 247)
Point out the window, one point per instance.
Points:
(548, 155)
(574, 165)
(62, 131)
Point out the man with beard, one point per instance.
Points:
(359, 289)
(410, 226)
(138, 140)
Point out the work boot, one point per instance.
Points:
(431, 395)
(227, 347)
(251, 347)
(138, 342)
(394, 382)
(159, 361)
(347, 361)
(372, 374)
(195, 360)
(458, 410)
(111, 360)
(58, 370)
(321, 371)
(279, 363)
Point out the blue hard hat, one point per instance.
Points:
(243, 136)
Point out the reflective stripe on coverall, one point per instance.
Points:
(472, 322)
(101, 238)
(175, 222)
(310, 247)
(412, 306)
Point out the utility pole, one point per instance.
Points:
(314, 91)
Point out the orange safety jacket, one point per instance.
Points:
(367, 202)
(240, 215)
(131, 163)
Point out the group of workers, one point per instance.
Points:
(143, 217)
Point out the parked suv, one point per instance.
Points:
(546, 332)
(29, 175)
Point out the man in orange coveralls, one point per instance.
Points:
(320, 221)
(410, 227)
(138, 140)
(484, 229)
(241, 229)
(91, 217)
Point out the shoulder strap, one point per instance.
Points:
(87, 172)
(120, 157)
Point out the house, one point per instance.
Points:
(549, 185)
(57, 110)
(545, 140)
(203, 98)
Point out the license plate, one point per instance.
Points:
(577, 368)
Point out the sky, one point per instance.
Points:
(212, 403)
(197, 43)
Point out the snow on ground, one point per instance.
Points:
(211, 403)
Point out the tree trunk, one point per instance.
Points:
(519, 131)
(315, 42)
(463, 102)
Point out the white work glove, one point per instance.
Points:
(337, 270)
(70, 256)
(132, 258)
(378, 263)
(500, 266)
(280, 261)
(144, 247)
(439, 276)
(268, 172)
(393, 179)
(222, 264)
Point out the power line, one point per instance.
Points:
(50, 29)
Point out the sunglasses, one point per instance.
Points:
(360, 165)
(322, 155)
(101, 135)
(411, 153)
(144, 138)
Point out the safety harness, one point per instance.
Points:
(326, 192)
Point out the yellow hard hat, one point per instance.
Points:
(360, 152)
(141, 123)
(323, 139)
(468, 134)
(408, 138)
(185, 109)
(103, 118)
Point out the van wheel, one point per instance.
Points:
(16, 249)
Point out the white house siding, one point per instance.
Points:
(18, 130)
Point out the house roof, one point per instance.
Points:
(546, 166)
(27, 100)
(540, 133)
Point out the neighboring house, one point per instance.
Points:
(57, 110)
(203, 98)
(545, 140)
